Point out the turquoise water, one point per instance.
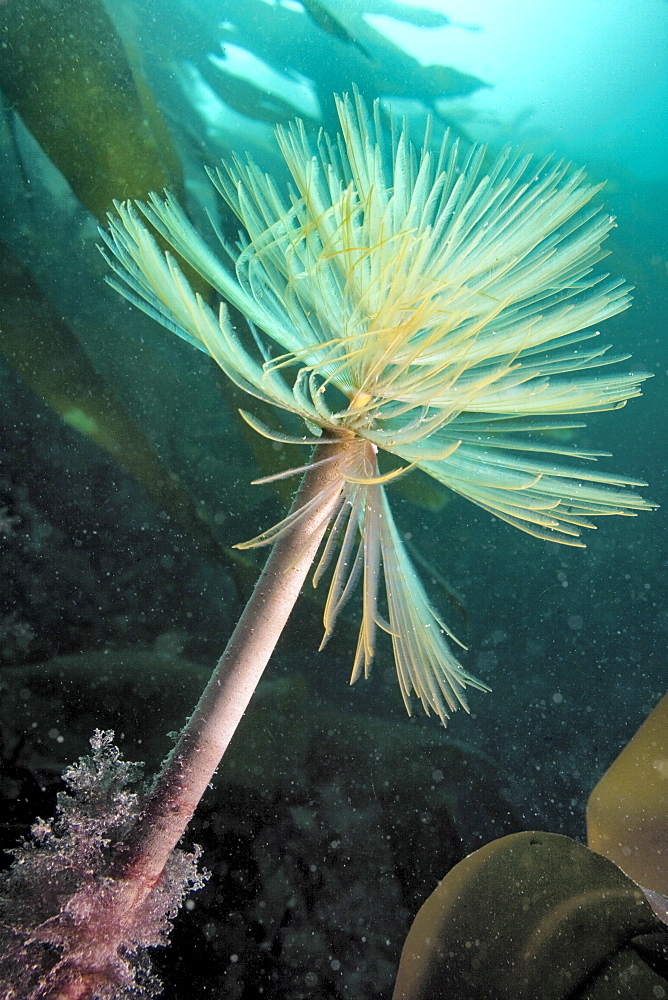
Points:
(329, 830)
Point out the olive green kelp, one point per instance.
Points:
(64, 69)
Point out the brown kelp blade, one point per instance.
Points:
(627, 812)
(66, 72)
(536, 915)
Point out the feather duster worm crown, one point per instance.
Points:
(410, 301)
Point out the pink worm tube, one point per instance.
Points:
(113, 909)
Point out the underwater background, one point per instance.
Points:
(125, 472)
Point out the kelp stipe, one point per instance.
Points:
(412, 302)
